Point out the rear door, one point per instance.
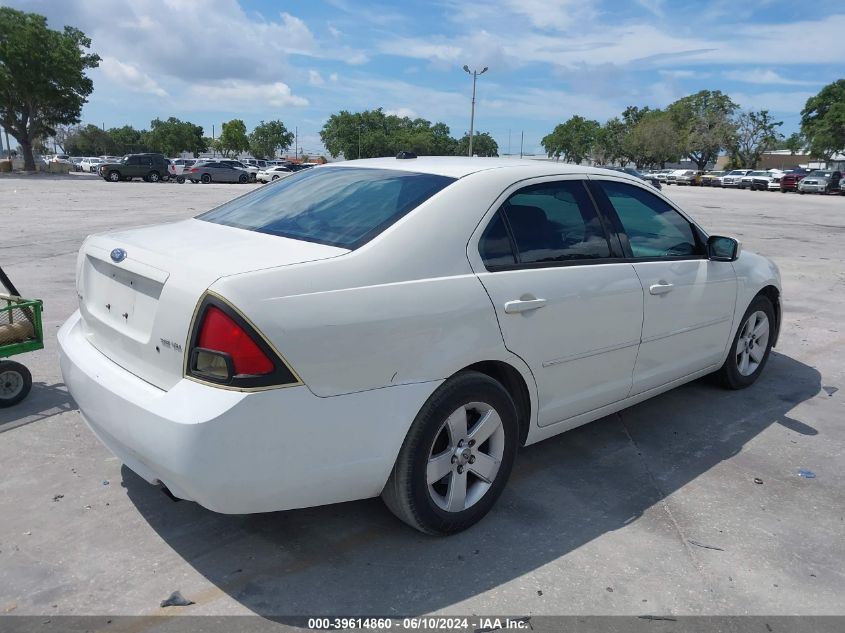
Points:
(566, 302)
(688, 299)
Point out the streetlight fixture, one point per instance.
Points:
(475, 74)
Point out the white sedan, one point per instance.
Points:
(273, 172)
(398, 327)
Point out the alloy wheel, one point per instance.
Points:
(465, 457)
(752, 343)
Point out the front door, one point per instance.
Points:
(688, 300)
(565, 302)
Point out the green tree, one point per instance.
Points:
(823, 120)
(482, 145)
(174, 136)
(269, 138)
(42, 77)
(654, 140)
(633, 115)
(90, 140)
(705, 124)
(442, 143)
(233, 138)
(573, 141)
(610, 142)
(127, 139)
(374, 133)
(794, 143)
(756, 133)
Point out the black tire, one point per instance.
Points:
(15, 383)
(113, 176)
(206, 178)
(243, 179)
(127, 179)
(729, 374)
(180, 179)
(275, 178)
(153, 176)
(407, 493)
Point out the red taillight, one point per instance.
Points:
(194, 170)
(220, 333)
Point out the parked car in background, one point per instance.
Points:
(90, 164)
(766, 181)
(672, 176)
(215, 171)
(177, 167)
(733, 178)
(60, 158)
(652, 180)
(273, 172)
(256, 162)
(251, 170)
(689, 177)
(712, 179)
(150, 167)
(820, 181)
(76, 161)
(791, 177)
(661, 174)
(746, 181)
(842, 186)
(305, 371)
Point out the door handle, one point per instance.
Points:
(660, 288)
(523, 305)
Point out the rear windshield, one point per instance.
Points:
(338, 206)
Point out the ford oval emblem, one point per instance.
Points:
(118, 255)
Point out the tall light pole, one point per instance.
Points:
(475, 75)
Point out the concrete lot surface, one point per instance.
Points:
(654, 511)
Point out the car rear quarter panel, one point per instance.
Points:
(404, 308)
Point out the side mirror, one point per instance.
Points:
(723, 249)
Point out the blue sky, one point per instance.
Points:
(212, 60)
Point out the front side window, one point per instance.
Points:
(549, 222)
(653, 227)
(338, 206)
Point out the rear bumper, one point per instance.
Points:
(236, 452)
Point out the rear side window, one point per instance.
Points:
(549, 222)
(338, 206)
(653, 227)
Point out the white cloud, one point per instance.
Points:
(559, 15)
(130, 76)
(333, 77)
(234, 94)
(315, 78)
(778, 102)
(402, 112)
(765, 76)
(679, 74)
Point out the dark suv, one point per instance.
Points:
(150, 167)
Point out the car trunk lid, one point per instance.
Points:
(138, 289)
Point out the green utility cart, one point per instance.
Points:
(20, 331)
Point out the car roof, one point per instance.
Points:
(460, 166)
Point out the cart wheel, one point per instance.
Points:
(15, 383)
